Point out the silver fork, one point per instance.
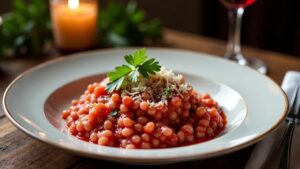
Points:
(292, 118)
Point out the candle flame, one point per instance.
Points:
(73, 4)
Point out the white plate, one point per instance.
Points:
(253, 103)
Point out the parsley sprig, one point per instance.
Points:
(138, 64)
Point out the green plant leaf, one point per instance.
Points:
(137, 65)
(133, 76)
(137, 58)
(119, 72)
(126, 25)
(149, 67)
(26, 30)
(115, 85)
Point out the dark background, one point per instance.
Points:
(267, 24)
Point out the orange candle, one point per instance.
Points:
(74, 24)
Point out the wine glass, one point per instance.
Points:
(235, 12)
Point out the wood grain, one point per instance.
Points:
(19, 151)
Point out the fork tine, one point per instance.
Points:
(292, 119)
(293, 101)
(297, 104)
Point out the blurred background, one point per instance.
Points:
(267, 24)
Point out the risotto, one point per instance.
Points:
(158, 111)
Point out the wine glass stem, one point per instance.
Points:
(234, 44)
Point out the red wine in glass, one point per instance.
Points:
(234, 4)
(235, 12)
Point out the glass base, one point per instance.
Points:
(257, 64)
(254, 63)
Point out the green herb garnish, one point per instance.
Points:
(114, 113)
(138, 65)
(167, 92)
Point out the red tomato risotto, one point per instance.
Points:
(158, 110)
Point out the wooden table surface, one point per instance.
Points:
(19, 151)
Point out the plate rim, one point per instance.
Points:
(106, 156)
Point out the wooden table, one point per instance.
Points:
(19, 151)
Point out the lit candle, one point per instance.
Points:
(74, 24)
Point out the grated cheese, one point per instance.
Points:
(153, 89)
